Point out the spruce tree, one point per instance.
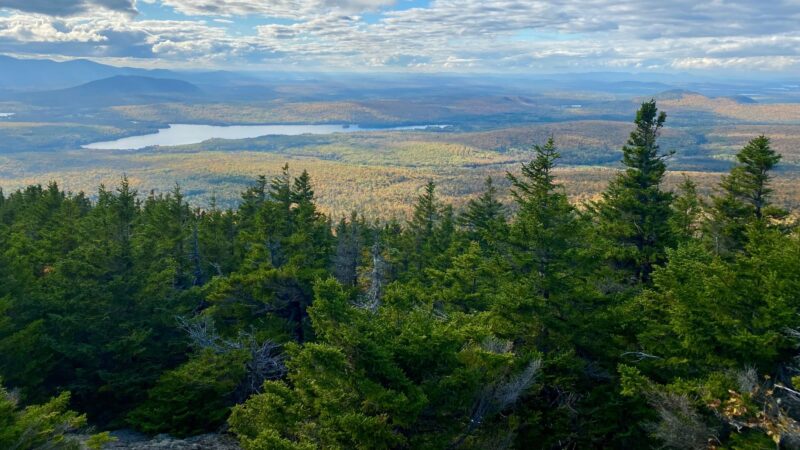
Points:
(545, 230)
(484, 217)
(349, 246)
(745, 197)
(302, 192)
(280, 188)
(633, 214)
(422, 229)
(427, 212)
(687, 208)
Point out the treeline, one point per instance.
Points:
(645, 319)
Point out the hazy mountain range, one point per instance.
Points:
(35, 75)
(116, 90)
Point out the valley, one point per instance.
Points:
(369, 149)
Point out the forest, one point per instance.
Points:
(648, 317)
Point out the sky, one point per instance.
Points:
(495, 36)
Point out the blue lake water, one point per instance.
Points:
(184, 134)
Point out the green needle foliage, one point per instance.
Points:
(43, 426)
(633, 216)
(744, 197)
(646, 319)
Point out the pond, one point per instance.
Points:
(184, 134)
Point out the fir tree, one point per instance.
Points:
(484, 217)
(687, 209)
(745, 197)
(349, 243)
(429, 230)
(633, 215)
(545, 230)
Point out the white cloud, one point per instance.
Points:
(69, 7)
(114, 35)
(273, 8)
(751, 63)
(443, 35)
(38, 28)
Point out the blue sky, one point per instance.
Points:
(520, 36)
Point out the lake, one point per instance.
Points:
(184, 134)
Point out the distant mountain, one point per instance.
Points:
(18, 75)
(677, 94)
(618, 77)
(44, 74)
(674, 94)
(743, 99)
(116, 90)
(633, 86)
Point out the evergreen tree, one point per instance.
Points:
(164, 237)
(461, 333)
(687, 208)
(50, 425)
(633, 215)
(430, 231)
(745, 197)
(427, 214)
(349, 247)
(302, 192)
(484, 217)
(290, 246)
(415, 380)
(545, 232)
(218, 234)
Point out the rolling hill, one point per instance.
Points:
(116, 90)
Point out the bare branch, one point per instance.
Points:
(680, 425)
(498, 397)
(640, 356)
(747, 380)
(266, 361)
(372, 300)
(217, 267)
(495, 345)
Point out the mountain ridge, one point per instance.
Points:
(116, 90)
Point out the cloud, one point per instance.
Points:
(69, 7)
(114, 35)
(490, 35)
(273, 8)
(27, 28)
(753, 63)
(552, 35)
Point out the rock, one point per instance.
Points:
(132, 440)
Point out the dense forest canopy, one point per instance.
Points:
(645, 319)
